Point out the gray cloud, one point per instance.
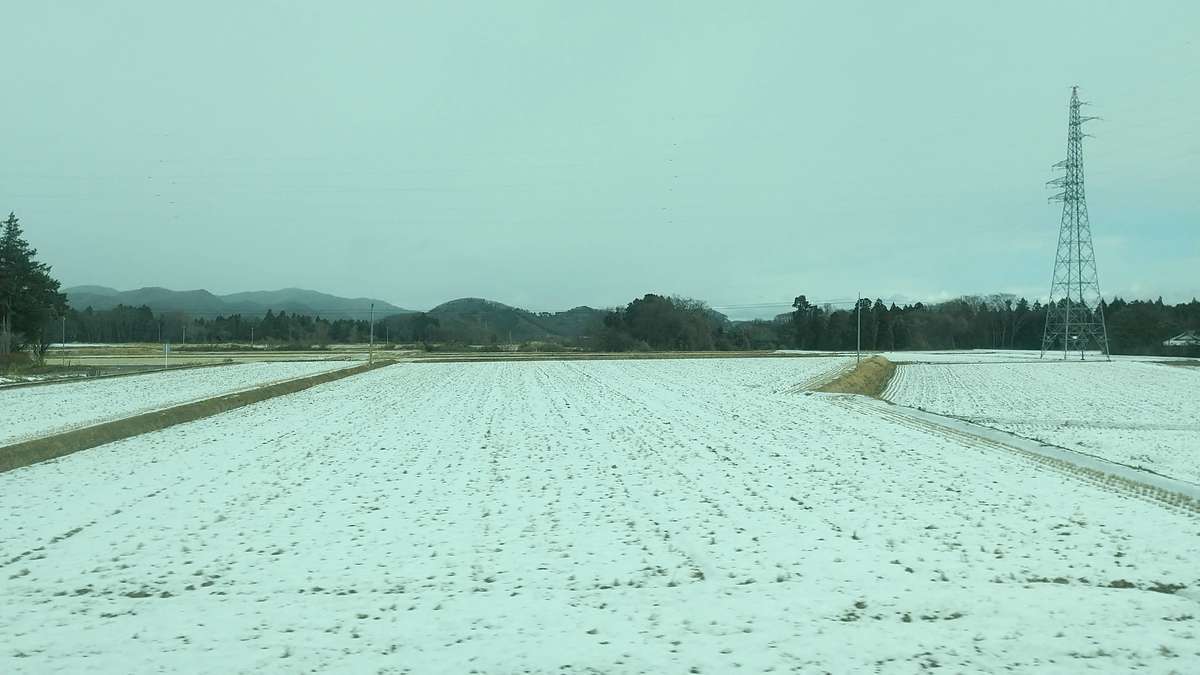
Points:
(554, 154)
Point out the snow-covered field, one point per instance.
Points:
(1141, 414)
(1011, 355)
(986, 356)
(587, 516)
(968, 356)
(31, 412)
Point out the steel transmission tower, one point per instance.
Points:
(1075, 313)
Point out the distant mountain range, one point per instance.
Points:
(464, 315)
(204, 303)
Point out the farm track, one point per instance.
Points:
(1135, 414)
(1077, 424)
(1184, 496)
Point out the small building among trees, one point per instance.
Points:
(1189, 338)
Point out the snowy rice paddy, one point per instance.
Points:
(1011, 356)
(591, 516)
(31, 412)
(1136, 413)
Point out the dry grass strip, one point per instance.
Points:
(868, 378)
(49, 447)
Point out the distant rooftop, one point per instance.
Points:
(1189, 338)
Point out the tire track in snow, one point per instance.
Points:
(1183, 497)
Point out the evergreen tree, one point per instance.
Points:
(29, 296)
(802, 321)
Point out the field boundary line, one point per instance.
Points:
(158, 408)
(56, 445)
(1075, 424)
(1154, 487)
(148, 371)
(493, 357)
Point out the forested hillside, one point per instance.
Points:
(653, 322)
(204, 303)
(468, 321)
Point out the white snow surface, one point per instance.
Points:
(1012, 355)
(1141, 414)
(586, 516)
(986, 356)
(33, 412)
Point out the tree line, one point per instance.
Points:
(660, 323)
(34, 313)
(141, 324)
(974, 322)
(970, 322)
(663, 323)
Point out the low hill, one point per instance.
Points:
(312, 302)
(95, 290)
(573, 322)
(204, 303)
(477, 316)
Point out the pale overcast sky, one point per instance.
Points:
(553, 154)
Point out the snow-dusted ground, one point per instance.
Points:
(1011, 355)
(587, 516)
(986, 356)
(1136, 413)
(942, 356)
(968, 356)
(11, 379)
(31, 412)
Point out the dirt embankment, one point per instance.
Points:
(868, 378)
(67, 442)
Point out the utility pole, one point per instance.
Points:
(64, 331)
(858, 344)
(1075, 309)
(371, 339)
(252, 336)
